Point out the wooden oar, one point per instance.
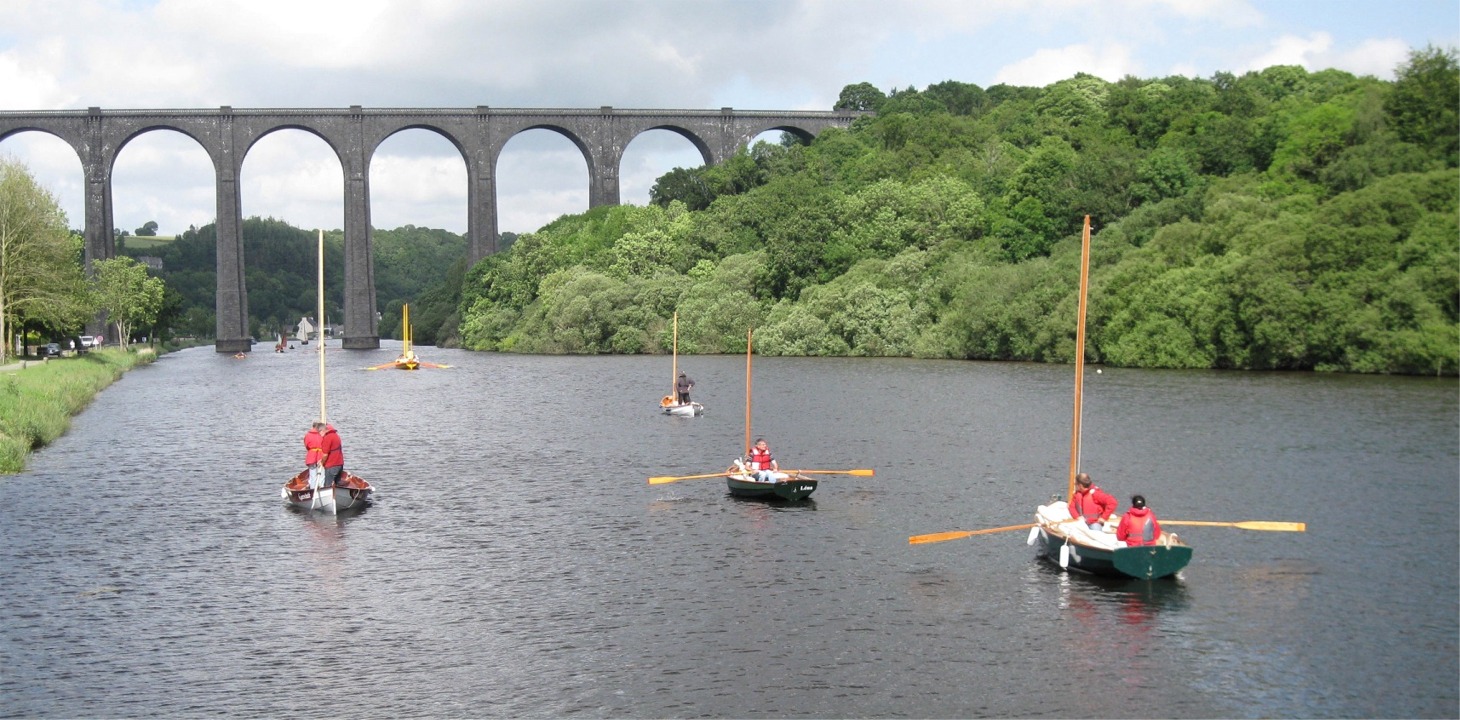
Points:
(859, 472)
(956, 534)
(1269, 525)
(676, 478)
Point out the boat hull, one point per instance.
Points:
(1073, 547)
(790, 488)
(685, 410)
(352, 493)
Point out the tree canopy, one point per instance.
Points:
(40, 259)
(1280, 219)
(126, 295)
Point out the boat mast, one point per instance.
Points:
(674, 364)
(406, 329)
(747, 390)
(319, 309)
(1080, 356)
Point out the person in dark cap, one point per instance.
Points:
(682, 387)
(1139, 526)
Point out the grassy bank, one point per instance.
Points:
(37, 402)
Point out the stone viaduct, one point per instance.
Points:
(354, 134)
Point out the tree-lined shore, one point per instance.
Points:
(1280, 219)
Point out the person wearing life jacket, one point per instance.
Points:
(762, 462)
(332, 454)
(1139, 526)
(312, 456)
(1090, 503)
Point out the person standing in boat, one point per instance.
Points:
(332, 452)
(1090, 503)
(1138, 526)
(313, 458)
(682, 387)
(763, 462)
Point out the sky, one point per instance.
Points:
(647, 54)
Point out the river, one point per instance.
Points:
(517, 564)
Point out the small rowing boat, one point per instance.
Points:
(350, 493)
(1072, 544)
(670, 404)
(746, 483)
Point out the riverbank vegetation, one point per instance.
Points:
(280, 274)
(44, 293)
(1278, 220)
(37, 402)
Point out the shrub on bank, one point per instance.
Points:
(37, 402)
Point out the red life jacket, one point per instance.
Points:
(1139, 528)
(760, 459)
(312, 440)
(330, 447)
(1091, 504)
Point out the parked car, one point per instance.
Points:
(52, 349)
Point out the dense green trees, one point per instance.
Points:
(280, 264)
(1279, 219)
(41, 284)
(126, 295)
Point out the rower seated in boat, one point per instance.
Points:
(764, 463)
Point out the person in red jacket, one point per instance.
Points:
(312, 456)
(333, 454)
(1090, 503)
(1139, 526)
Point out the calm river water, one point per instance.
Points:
(516, 562)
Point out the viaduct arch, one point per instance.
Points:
(354, 134)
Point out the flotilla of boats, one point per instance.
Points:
(1060, 535)
(746, 479)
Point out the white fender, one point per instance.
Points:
(1065, 555)
(1033, 535)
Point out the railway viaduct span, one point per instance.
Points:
(354, 133)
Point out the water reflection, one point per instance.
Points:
(803, 505)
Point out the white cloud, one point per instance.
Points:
(748, 54)
(1045, 66)
(1374, 57)
(1291, 50)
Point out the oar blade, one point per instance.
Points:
(938, 537)
(859, 472)
(1266, 525)
(1273, 526)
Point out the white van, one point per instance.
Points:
(88, 341)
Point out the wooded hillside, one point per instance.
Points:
(280, 274)
(1280, 219)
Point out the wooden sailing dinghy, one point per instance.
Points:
(407, 360)
(1073, 545)
(305, 490)
(670, 403)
